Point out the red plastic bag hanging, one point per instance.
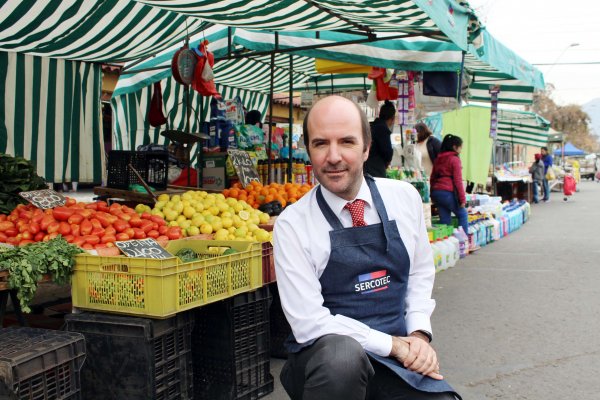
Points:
(383, 89)
(156, 117)
(205, 87)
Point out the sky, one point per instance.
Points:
(546, 31)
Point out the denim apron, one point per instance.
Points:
(366, 279)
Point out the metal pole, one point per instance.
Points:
(291, 117)
(187, 130)
(199, 149)
(271, 88)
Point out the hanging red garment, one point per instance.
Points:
(202, 86)
(383, 89)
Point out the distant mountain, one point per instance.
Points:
(592, 108)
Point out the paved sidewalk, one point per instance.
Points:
(520, 319)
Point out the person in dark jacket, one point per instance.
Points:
(428, 145)
(537, 174)
(447, 191)
(381, 151)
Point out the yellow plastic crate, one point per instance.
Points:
(162, 288)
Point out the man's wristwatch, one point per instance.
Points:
(422, 334)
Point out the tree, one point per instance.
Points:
(569, 119)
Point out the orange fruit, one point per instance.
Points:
(225, 192)
(269, 198)
(234, 193)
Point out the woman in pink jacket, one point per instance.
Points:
(447, 191)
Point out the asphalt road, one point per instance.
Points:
(520, 319)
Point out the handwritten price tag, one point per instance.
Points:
(244, 167)
(143, 248)
(44, 199)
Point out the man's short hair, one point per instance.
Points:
(387, 111)
(545, 149)
(364, 125)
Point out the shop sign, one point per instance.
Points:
(44, 199)
(143, 248)
(244, 167)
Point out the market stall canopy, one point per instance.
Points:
(494, 64)
(569, 150)
(522, 127)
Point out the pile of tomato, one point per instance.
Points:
(87, 225)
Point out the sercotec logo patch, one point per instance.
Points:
(372, 282)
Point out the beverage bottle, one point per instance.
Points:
(309, 174)
(456, 246)
(437, 256)
(463, 245)
(443, 253)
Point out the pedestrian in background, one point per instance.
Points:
(547, 159)
(381, 151)
(537, 175)
(428, 145)
(447, 191)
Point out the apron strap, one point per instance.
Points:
(380, 207)
(327, 211)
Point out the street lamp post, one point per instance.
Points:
(562, 53)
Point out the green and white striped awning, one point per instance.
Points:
(91, 30)
(50, 114)
(444, 19)
(522, 127)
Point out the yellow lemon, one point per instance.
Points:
(206, 229)
(193, 231)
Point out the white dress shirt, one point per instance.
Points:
(302, 248)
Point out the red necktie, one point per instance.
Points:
(357, 211)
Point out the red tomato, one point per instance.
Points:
(147, 226)
(3, 237)
(174, 233)
(12, 240)
(136, 222)
(102, 206)
(3, 217)
(53, 227)
(128, 210)
(139, 233)
(91, 239)
(11, 232)
(46, 221)
(122, 236)
(78, 241)
(75, 219)
(92, 206)
(12, 217)
(95, 223)
(39, 236)
(75, 229)
(125, 217)
(121, 225)
(110, 231)
(62, 213)
(86, 227)
(100, 246)
(84, 212)
(65, 228)
(146, 215)
(27, 235)
(70, 202)
(130, 232)
(101, 217)
(159, 220)
(25, 241)
(163, 229)
(52, 235)
(87, 246)
(108, 239)
(69, 238)
(98, 232)
(153, 234)
(25, 215)
(34, 227)
(4, 225)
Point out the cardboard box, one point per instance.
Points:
(213, 178)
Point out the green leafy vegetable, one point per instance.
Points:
(27, 264)
(187, 255)
(16, 175)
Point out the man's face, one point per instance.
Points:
(336, 146)
(544, 152)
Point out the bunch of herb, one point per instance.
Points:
(16, 175)
(27, 264)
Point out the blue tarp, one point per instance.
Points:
(570, 150)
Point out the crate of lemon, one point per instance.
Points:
(160, 288)
(199, 212)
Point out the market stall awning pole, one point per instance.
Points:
(199, 150)
(291, 117)
(187, 130)
(271, 89)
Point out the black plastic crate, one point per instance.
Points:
(135, 358)
(280, 328)
(153, 167)
(40, 364)
(231, 347)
